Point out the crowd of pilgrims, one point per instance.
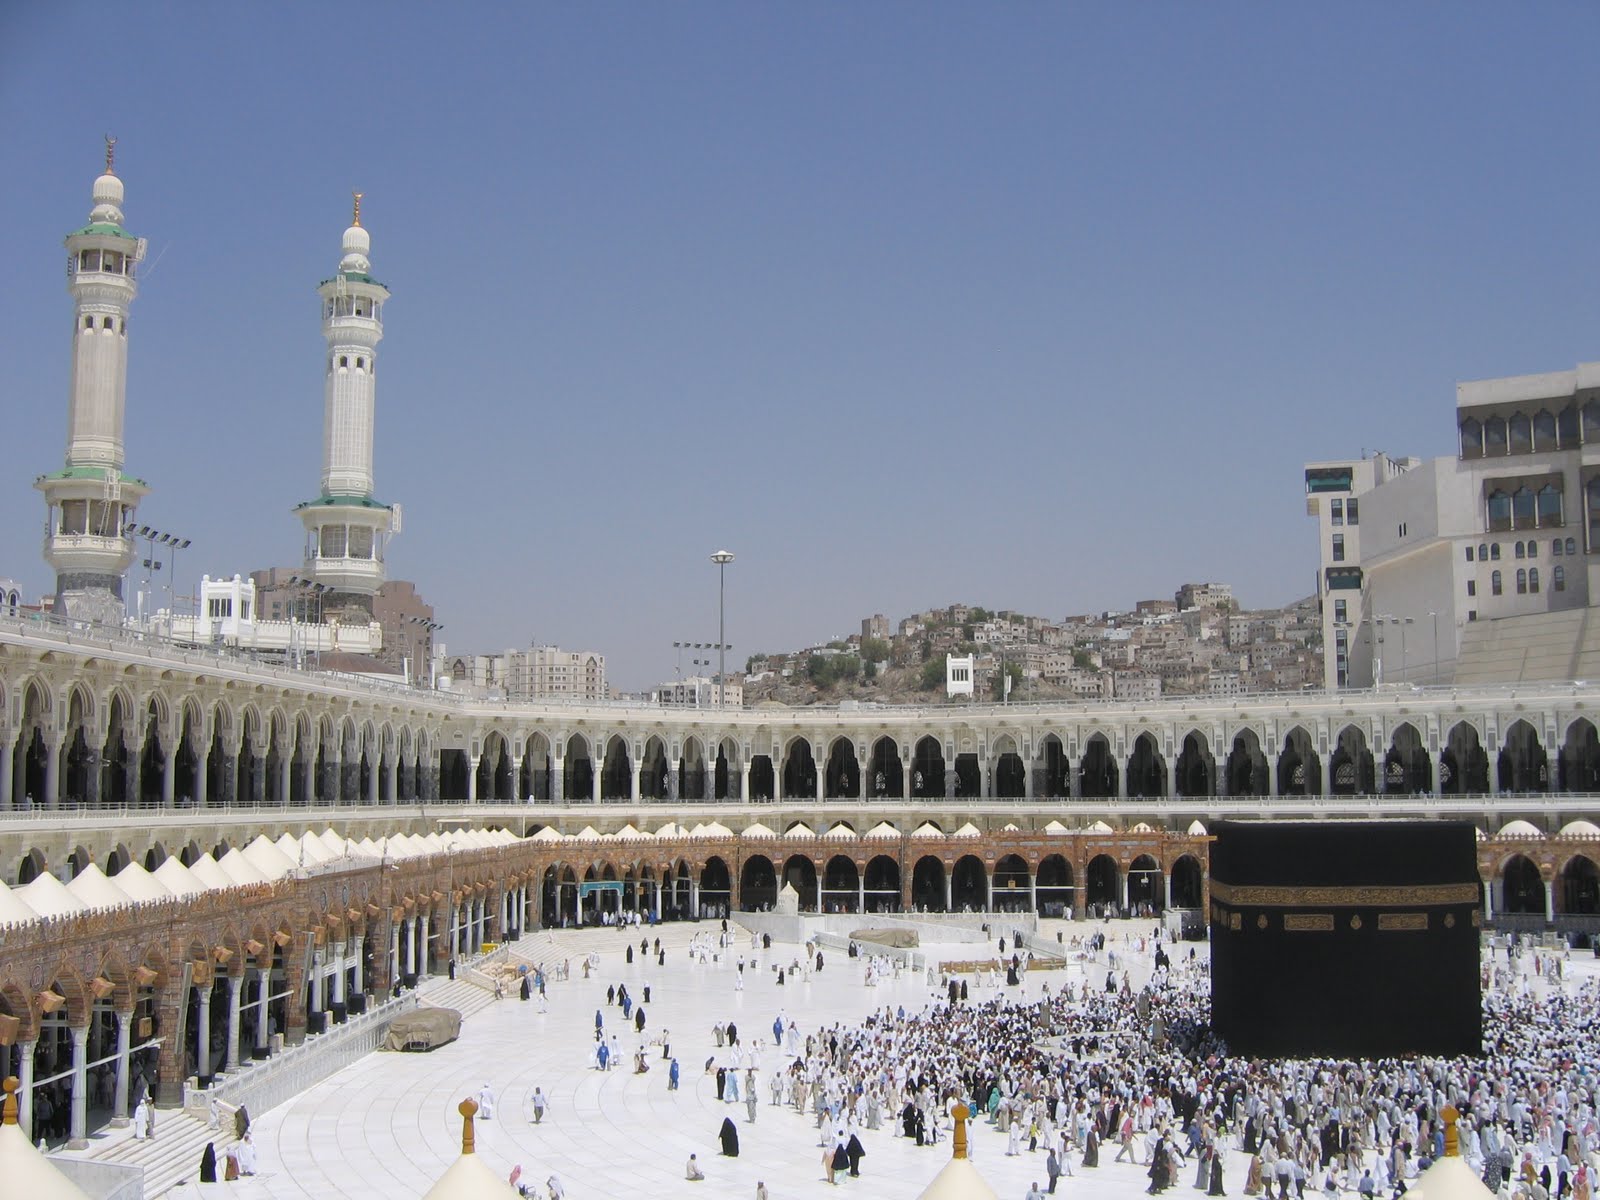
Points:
(1073, 1069)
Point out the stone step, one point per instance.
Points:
(466, 998)
(173, 1155)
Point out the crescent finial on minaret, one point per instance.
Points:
(111, 153)
(356, 219)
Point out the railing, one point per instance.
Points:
(1552, 804)
(261, 1086)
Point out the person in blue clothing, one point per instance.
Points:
(672, 1076)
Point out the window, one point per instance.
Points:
(344, 360)
(1520, 430)
(1533, 580)
(1567, 427)
(1472, 587)
(1555, 547)
(1549, 506)
(1522, 508)
(1591, 421)
(1338, 547)
(1533, 549)
(361, 364)
(1499, 511)
(1494, 436)
(1401, 529)
(1336, 512)
(105, 322)
(1471, 439)
(1544, 430)
(1340, 608)
(1572, 545)
(1483, 552)
(1494, 583)
(1559, 579)
(1522, 581)
(1520, 552)
(1472, 614)
(1352, 511)
(1469, 553)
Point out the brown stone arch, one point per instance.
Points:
(114, 968)
(65, 980)
(18, 1003)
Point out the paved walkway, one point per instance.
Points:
(387, 1126)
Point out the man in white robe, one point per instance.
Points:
(141, 1119)
(486, 1103)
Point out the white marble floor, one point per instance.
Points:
(388, 1127)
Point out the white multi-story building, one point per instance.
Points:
(1456, 557)
(698, 691)
(91, 499)
(1335, 493)
(549, 672)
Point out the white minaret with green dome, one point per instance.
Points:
(91, 500)
(345, 526)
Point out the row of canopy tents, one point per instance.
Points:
(262, 861)
(716, 829)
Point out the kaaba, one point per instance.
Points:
(1347, 939)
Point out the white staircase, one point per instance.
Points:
(173, 1155)
(465, 997)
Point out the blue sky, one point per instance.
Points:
(1035, 306)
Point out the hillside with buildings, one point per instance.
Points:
(1199, 643)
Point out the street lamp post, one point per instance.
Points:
(722, 558)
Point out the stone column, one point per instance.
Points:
(235, 998)
(1172, 777)
(579, 898)
(861, 892)
(202, 1029)
(264, 980)
(1027, 779)
(119, 1111)
(819, 891)
(988, 891)
(400, 948)
(373, 779)
(1122, 779)
(202, 774)
(516, 779)
(52, 774)
(822, 774)
(80, 1089)
(391, 787)
(950, 780)
(358, 966)
(1488, 901)
(744, 780)
(1122, 881)
(1033, 892)
(8, 756)
(1549, 902)
(336, 1001)
(947, 893)
(1327, 774)
(472, 777)
(558, 783)
(1166, 879)
(905, 777)
(25, 1091)
(285, 771)
(638, 772)
(422, 956)
(658, 901)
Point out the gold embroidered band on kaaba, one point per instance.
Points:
(1346, 897)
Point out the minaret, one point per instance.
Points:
(345, 527)
(91, 500)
